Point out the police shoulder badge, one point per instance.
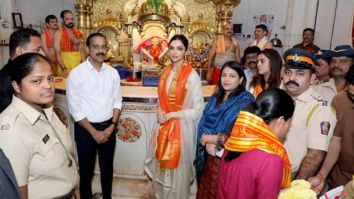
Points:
(325, 126)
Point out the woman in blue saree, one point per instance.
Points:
(216, 123)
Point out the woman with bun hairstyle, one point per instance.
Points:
(255, 164)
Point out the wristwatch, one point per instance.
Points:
(218, 151)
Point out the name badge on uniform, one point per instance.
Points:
(46, 138)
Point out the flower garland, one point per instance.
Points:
(200, 57)
(299, 189)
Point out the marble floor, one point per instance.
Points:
(124, 188)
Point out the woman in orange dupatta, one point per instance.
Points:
(171, 152)
(255, 164)
(269, 68)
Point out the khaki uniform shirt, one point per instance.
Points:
(326, 89)
(311, 113)
(36, 151)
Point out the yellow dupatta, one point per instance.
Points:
(251, 132)
(169, 136)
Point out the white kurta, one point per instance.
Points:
(175, 183)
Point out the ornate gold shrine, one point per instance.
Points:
(137, 33)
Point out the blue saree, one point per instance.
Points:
(218, 119)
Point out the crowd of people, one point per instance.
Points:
(272, 119)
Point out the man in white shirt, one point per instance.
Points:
(261, 41)
(95, 102)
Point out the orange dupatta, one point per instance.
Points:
(48, 38)
(257, 90)
(66, 44)
(251, 132)
(220, 47)
(169, 136)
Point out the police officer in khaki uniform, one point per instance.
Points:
(313, 120)
(325, 85)
(341, 62)
(35, 141)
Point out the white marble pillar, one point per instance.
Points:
(301, 14)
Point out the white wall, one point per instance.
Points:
(34, 11)
(322, 15)
(343, 22)
(324, 23)
(244, 12)
(301, 14)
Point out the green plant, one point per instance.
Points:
(155, 5)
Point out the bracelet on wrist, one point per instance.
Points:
(221, 139)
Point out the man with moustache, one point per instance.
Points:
(339, 162)
(67, 44)
(325, 85)
(341, 61)
(250, 67)
(261, 41)
(308, 35)
(95, 102)
(47, 41)
(322, 69)
(224, 49)
(22, 41)
(306, 142)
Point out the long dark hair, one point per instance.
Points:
(275, 62)
(181, 38)
(18, 69)
(220, 93)
(270, 104)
